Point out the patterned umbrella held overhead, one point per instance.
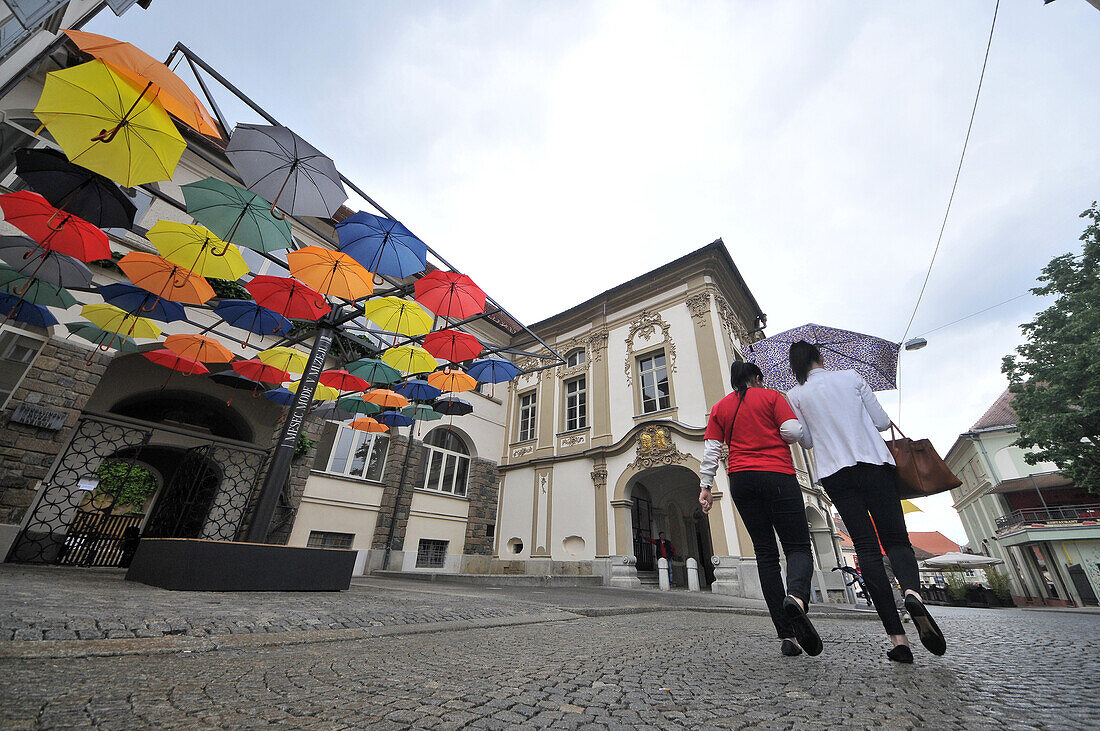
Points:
(875, 359)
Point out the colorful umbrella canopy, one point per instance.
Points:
(237, 215)
(450, 294)
(382, 245)
(356, 405)
(279, 395)
(285, 169)
(141, 302)
(330, 272)
(53, 228)
(417, 390)
(103, 122)
(247, 315)
(14, 308)
(385, 398)
(452, 406)
(492, 370)
(257, 370)
(30, 260)
(159, 81)
(176, 362)
(287, 296)
(283, 358)
(375, 371)
(102, 338)
(165, 279)
(873, 358)
(112, 319)
(452, 379)
(420, 412)
(234, 380)
(452, 345)
(202, 348)
(74, 189)
(34, 291)
(393, 418)
(341, 380)
(197, 249)
(321, 393)
(397, 315)
(368, 424)
(410, 359)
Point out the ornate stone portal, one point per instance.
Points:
(655, 448)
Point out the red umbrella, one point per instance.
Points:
(176, 362)
(453, 345)
(341, 380)
(53, 228)
(257, 370)
(450, 294)
(288, 297)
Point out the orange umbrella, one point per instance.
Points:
(164, 279)
(368, 424)
(198, 347)
(452, 379)
(158, 80)
(385, 398)
(330, 272)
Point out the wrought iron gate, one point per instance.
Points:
(206, 496)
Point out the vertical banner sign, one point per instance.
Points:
(279, 471)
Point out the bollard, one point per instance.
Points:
(693, 574)
(662, 574)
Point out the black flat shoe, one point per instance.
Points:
(900, 653)
(804, 630)
(930, 635)
(790, 649)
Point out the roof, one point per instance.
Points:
(845, 540)
(999, 414)
(932, 543)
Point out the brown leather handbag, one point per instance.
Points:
(921, 470)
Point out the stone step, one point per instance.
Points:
(495, 579)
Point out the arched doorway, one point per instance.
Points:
(664, 500)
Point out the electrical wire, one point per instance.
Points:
(975, 314)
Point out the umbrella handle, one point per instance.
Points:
(176, 284)
(277, 214)
(49, 221)
(107, 136)
(223, 252)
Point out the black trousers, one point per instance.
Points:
(770, 503)
(866, 496)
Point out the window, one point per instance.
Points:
(574, 359)
(356, 454)
(653, 378)
(448, 462)
(527, 416)
(324, 539)
(17, 353)
(431, 554)
(576, 404)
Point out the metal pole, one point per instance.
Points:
(397, 496)
(1040, 494)
(279, 470)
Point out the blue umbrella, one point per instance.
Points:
(14, 308)
(452, 406)
(280, 395)
(393, 418)
(492, 370)
(135, 300)
(417, 390)
(382, 245)
(247, 315)
(873, 358)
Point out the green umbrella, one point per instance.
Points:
(374, 371)
(236, 215)
(93, 334)
(38, 292)
(356, 405)
(421, 412)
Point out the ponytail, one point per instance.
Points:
(741, 374)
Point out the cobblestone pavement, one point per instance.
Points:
(1004, 669)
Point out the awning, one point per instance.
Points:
(1045, 480)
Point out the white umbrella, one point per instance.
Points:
(957, 560)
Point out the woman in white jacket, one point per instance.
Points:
(841, 420)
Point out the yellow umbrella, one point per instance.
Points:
(908, 507)
(112, 319)
(396, 315)
(284, 358)
(410, 359)
(323, 393)
(104, 123)
(198, 249)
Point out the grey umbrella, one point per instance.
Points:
(31, 260)
(280, 166)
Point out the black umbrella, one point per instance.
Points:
(75, 189)
(452, 406)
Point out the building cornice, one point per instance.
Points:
(693, 433)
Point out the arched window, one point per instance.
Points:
(448, 462)
(575, 358)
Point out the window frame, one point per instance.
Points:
(324, 536)
(640, 380)
(576, 358)
(357, 443)
(531, 433)
(447, 459)
(21, 332)
(426, 554)
(579, 420)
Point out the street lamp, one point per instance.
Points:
(915, 343)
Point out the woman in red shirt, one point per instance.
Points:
(758, 426)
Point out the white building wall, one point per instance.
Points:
(572, 515)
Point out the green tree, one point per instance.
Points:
(957, 585)
(999, 583)
(122, 485)
(1055, 375)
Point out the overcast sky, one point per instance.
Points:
(552, 150)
